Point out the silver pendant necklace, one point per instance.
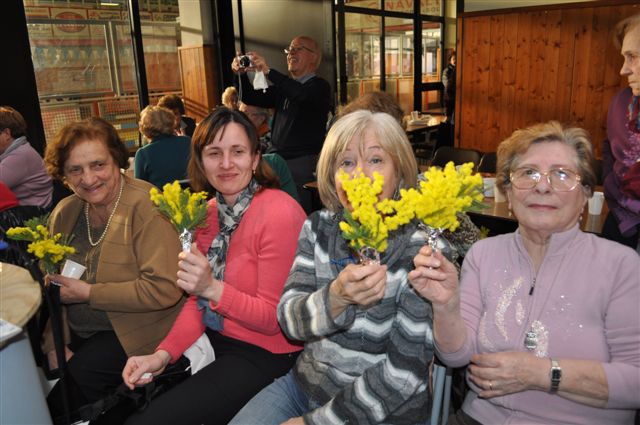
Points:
(532, 336)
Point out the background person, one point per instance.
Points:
(302, 104)
(127, 299)
(367, 334)
(260, 117)
(230, 98)
(621, 150)
(166, 156)
(234, 274)
(546, 316)
(376, 101)
(184, 125)
(449, 82)
(21, 167)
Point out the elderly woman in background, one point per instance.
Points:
(376, 101)
(21, 167)
(166, 157)
(367, 334)
(621, 150)
(127, 300)
(547, 316)
(235, 274)
(184, 125)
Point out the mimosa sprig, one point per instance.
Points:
(184, 209)
(369, 222)
(50, 250)
(445, 193)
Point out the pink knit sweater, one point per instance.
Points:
(259, 258)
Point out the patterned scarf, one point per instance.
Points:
(630, 180)
(632, 155)
(228, 220)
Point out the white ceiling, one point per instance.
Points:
(474, 5)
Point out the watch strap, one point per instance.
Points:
(555, 376)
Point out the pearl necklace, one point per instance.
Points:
(113, 211)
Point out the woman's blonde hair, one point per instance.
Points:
(389, 134)
(511, 149)
(156, 121)
(227, 97)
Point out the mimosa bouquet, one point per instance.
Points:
(368, 224)
(441, 197)
(184, 209)
(50, 250)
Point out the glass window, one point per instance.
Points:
(368, 4)
(362, 53)
(83, 60)
(431, 7)
(363, 50)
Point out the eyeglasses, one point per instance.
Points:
(560, 179)
(295, 49)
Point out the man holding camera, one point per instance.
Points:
(302, 104)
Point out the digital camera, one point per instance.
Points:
(244, 61)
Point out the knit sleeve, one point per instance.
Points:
(393, 383)
(622, 332)
(471, 309)
(185, 331)
(303, 311)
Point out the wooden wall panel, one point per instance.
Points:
(199, 81)
(527, 65)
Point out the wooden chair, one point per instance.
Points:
(459, 156)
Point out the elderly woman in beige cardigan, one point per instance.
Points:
(127, 300)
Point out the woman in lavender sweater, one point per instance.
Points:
(546, 316)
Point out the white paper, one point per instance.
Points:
(8, 330)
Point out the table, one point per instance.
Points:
(499, 211)
(432, 124)
(22, 400)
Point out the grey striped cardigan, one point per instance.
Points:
(369, 365)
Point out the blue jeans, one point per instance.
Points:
(276, 403)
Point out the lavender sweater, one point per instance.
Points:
(24, 173)
(587, 300)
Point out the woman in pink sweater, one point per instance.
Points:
(234, 274)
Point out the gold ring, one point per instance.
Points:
(490, 386)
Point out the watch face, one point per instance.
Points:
(556, 374)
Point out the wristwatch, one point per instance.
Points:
(555, 374)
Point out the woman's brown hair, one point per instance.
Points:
(57, 151)
(206, 133)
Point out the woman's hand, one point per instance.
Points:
(195, 275)
(508, 372)
(435, 278)
(357, 284)
(137, 366)
(72, 291)
(294, 421)
(52, 358)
